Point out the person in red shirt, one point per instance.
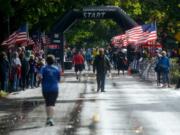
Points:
(78, 62)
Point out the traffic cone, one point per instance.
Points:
(129, 71)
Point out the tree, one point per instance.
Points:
(42, 14)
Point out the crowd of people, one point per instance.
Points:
(24, 68)
(98, 60)
(19, 69)
(121, 60)
(118, 58)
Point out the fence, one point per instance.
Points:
(145, 68)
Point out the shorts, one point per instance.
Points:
(50, 98)
(78, 67)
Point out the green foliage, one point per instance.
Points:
(42, 14)
(5, 7)
(97, 32)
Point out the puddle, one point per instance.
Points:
(74, 118)
(16, 111)
(74, 122)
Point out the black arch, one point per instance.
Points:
(110, 12)
(99, 12)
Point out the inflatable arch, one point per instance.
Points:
(98, 12)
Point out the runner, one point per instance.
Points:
(78, 62)
(50, 76)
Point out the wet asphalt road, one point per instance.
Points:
(130, 107)
(32, 121)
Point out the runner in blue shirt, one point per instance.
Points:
(50, 75)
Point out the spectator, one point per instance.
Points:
(40, 65)
(158, 68)
(4, 71)
(32, 71)
(165, 65)
(25, 70)
(15, 71)
(178, 82)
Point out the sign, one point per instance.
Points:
(53, 46)
(56, 38)
(56, 41)
(56, 46)
(100, 12)
(89, 14)
(56, 35)
(97, 13)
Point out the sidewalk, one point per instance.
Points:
(31, 120)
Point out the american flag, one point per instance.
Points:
(17, 37)
(10, 40)
(142, 34)
(37, 46)
(124, 39)
(30, 42)
(149, 33)
(120, 40)
(22, 35)
(134, 34)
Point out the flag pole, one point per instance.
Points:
(155, 25)
(156, 32)
(27, 29)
